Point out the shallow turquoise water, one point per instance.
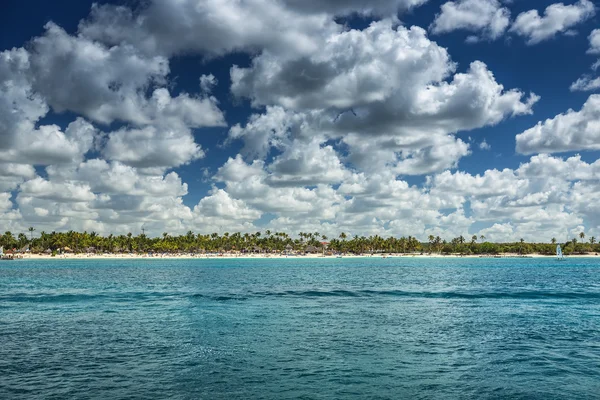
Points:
(324, 329)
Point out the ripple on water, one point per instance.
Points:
(300, 329)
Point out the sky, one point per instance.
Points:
(387, 117)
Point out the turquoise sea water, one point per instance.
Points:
(315, 329)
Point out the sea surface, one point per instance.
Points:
(368, 328)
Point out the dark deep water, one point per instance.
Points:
(293, 328)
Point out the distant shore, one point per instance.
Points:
(277, 256)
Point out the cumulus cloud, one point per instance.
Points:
(253, 184)
(50, 145)
(104, 196)
(345, 7)
(77, 74)
(153, 146)
(105, 84)
(491, 183)
(389, 99)
(20, 106)
(594, 39)
(282, 27)
(342, 116)
(557, 18)
(423, 156)
(44, 189)
(531, 199)
(390, 75)
(571, 131)
(219, 212)
(585, 83)
(307, 164)
(485, 17)
(12, 174)
(588, 82)
(169, 28)
(354, 68)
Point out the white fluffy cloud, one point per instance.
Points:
(342, 116)
(588, 82)
(307, 164)
(218, 212)
(50, 145)
(532, 199)
(344, 7)
(167, 28)
(20, 106)
(571, 131)
(279, 26)
(393, 75)
(557, 18)
(485, 17)
(385, 92)
(106, 84)
(354, 68)
(594, 39)
(153, 146)
(104, 196)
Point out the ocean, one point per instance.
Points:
(364, 328)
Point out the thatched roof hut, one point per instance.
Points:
(311, 249)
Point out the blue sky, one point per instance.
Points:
(437, 100)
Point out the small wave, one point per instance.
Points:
(311, 293)
(433, 294)
(49, 298)
(218, 297)
(84, 297)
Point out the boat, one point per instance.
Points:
(559, 254)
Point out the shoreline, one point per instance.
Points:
(70, 256)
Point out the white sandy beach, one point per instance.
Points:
(278, 256)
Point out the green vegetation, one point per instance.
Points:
(258, 242)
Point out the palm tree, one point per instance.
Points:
(582, 235)
(31, 229)
(431, 239)
(592, 240)
(553, 241)
(482, 237)
(438, 243)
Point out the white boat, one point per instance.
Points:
(559, 254)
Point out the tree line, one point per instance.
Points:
(271, 242)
